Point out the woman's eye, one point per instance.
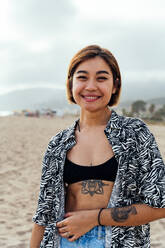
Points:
(101, 78)
(82, 77)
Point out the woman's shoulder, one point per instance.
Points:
(138, 128)
(129, 122)
(62, 135)
(134, 122)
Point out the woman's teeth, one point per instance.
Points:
(91, 97)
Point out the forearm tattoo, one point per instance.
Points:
(92, 187)
(122, 214)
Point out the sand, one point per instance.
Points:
(23, 141)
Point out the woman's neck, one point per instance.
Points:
(95, 119)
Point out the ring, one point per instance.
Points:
(67, 234)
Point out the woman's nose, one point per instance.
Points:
(91, 85)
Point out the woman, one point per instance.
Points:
(103, 179)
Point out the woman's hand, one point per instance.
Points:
(77, 223)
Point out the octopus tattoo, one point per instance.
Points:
(92, 187)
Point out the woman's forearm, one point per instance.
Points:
(37, 235)
(134, 215)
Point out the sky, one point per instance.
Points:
(38, 38)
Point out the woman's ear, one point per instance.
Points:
(115, 85)
(70, 87)
(114, 90)
(70, 83)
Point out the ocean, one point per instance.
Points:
(6, 113)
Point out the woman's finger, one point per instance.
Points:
(62, 229)
(68, 214)
(66, 234)
(61, 224)
(72, 238)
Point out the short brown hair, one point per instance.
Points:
(89, 52)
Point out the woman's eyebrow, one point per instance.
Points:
(82, 71)
(100, 72)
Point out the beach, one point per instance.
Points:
(23, 141)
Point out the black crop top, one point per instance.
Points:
(74, 173)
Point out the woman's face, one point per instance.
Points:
(92, 85)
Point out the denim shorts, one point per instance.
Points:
(94, 238)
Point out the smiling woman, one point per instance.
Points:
(93, 82)
(103, 67)
(103, 178)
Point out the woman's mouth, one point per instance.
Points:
(91, 98)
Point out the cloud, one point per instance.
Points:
(28, 67)
(44, 35)
(136, 44)
(127, 10)
(34, 50)
(40, 18)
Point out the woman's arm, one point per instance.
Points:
(37, 236)
(79, 222)
(43, 214)
(134, 215)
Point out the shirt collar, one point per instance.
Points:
(113, 123)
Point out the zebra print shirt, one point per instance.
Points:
(140, 179)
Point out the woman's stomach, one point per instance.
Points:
(88, 194)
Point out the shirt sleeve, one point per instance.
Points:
(43, 215)
(152, 172)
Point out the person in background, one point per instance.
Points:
(103, 178)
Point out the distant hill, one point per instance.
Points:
(38, 98)
(35, 98)
(148, 90)
(156, 101)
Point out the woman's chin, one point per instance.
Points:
(93, 109)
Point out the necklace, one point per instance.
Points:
(78, 125)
